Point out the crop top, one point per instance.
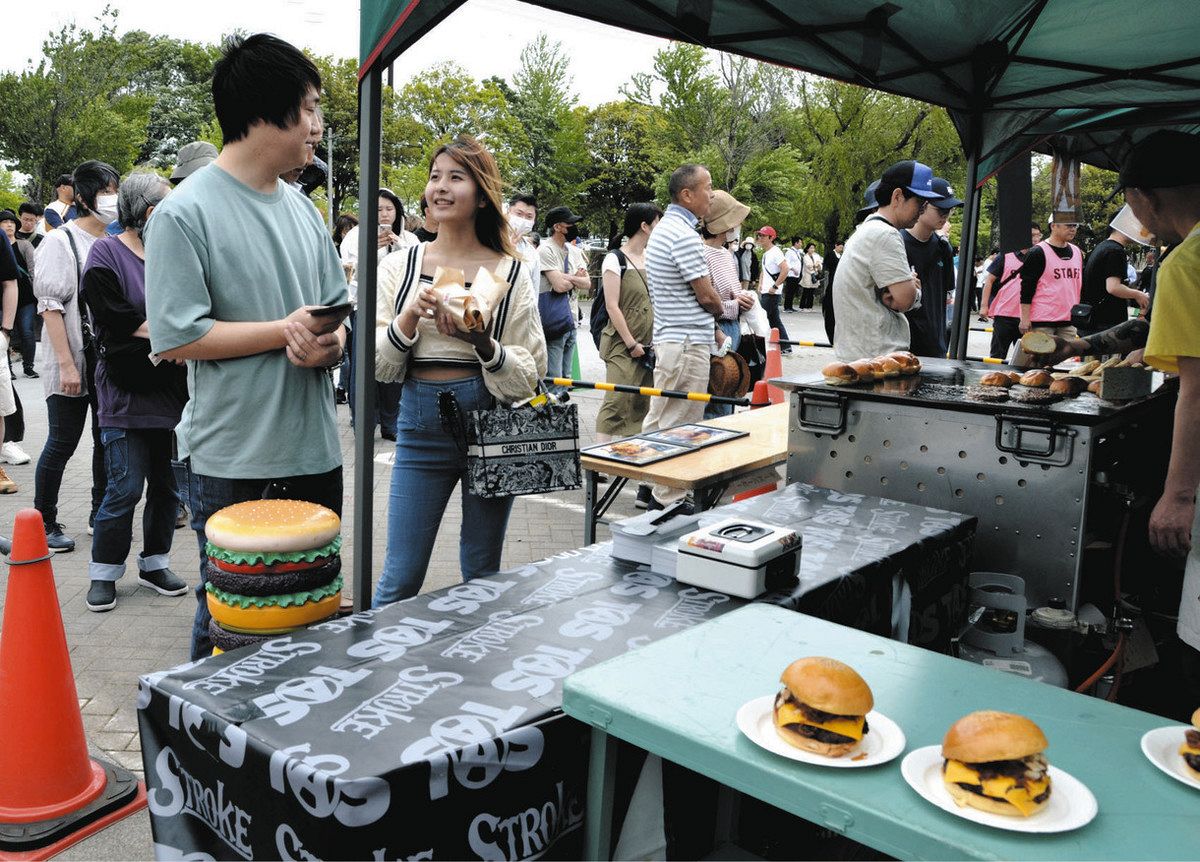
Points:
(519, 356)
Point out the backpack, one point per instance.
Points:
(599, 317)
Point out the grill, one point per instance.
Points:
(1045, 481)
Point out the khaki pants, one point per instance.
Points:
(680, 365)
(1021, 359)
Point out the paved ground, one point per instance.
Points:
(148, 632)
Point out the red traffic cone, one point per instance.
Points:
(51, 793)
(774, 366)
(760, 397)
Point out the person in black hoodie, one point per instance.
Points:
(932, 257)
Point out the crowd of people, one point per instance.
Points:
(204, 392)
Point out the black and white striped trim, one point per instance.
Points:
(410, 276)
(398, 339)
(498, 360)
(505, 304)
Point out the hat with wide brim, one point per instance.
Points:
(725, 213)
(728, 375)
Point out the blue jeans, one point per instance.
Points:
(387, 395)
(733, 334)
(65, 417)
(133, 458)
(560, 352)
(207, 494)
(23, 334)
(429, 463)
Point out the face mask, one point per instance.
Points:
(572, 233)
(520, 225)
(106, 209)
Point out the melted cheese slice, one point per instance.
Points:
(1186, 749)
(1001, 787)
(789, 713)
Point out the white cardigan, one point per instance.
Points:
(519, 349)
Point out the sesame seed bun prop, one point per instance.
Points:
(994, 761)
(822, 706)
(273, 566)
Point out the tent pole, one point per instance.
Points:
(961, 322)
(369, 129)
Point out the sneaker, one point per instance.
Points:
(29, 372)
(685, 509)
(181, 520)
(56, 541)
(643, 497)
(11, 453)
(7, 485)
(5, 546)
(162, 581)
(339, 396)
(92, 524)
(102, 596)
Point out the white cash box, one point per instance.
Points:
(739, 557)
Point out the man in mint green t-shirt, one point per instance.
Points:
(234, 261)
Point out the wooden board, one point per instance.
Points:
(766, 446)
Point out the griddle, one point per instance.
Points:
(943, 383)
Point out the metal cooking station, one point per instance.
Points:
(1045, 481)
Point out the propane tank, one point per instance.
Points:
(995, 633)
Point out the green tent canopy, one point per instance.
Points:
(1086, 78)
(1020, 70)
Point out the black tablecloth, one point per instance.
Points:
(432, 728)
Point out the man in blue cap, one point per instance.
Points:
(932, 257)
(875, 284)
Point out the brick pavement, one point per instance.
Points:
(147, 632)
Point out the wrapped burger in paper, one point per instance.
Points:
(471, 309)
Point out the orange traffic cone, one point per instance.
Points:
(774, 366)
(51, 793)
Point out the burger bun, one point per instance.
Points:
(988, 735)
(839, 374)
(278, 526)
(828, 685)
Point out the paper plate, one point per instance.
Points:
(1161, 747)
(883, 742)
(1071, 804)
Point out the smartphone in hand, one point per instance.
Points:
(342, 310)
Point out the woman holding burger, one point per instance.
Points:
(447, 373)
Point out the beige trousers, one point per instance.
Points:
(680, 365)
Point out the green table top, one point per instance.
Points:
(678, 698)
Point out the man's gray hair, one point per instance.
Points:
(684, 177)
(139, 192)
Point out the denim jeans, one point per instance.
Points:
(207, 494)
(429, 463)
(387, 395)
(23, 336)
(559, 355)
(133, 458)
(733, 334)
(65, 417)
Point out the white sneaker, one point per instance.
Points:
(11, 453)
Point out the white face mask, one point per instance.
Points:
(519, 224)
(106, 209)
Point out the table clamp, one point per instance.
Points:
(1036, 440)
(821, 412)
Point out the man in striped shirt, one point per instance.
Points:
(685, 304)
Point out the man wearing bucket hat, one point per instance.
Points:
(191, 158)
(1105, 279)
(875, 285)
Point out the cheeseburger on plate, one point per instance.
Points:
(994, 762)
(1190, 750)
(822, 706)
(273, 566)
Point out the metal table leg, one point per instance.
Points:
(595, 509)
(602, 775)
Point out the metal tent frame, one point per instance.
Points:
(1015, 75)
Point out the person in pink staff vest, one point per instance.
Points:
(1042, 296)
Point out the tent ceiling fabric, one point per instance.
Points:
(1026, 69)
